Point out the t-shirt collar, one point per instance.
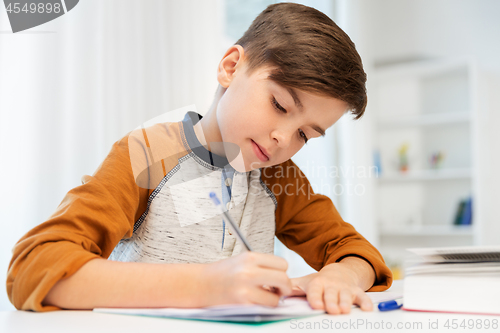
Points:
(201, 151)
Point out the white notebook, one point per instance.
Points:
(290, 307)
(459, 254)
(454, 279)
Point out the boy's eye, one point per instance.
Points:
(277, 105)
(303, 135)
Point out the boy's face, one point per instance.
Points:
(265, 121)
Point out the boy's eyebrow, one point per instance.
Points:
(318, 129)
(299, 105)
(296, 99)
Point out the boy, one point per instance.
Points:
(292, 75)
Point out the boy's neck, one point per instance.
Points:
(207, 129)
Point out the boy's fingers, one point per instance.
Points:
(272, 278)
(266, 260)
(363, 301)
(267, 288)
(332, 300)
(297, 291)
(315, 296)
(263, 297)
(272, 289)
(346, 299)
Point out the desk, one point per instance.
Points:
(357, 321)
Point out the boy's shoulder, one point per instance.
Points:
(154, 150)
(287, 181)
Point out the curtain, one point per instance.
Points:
(72, 87)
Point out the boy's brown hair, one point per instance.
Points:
(308, 51)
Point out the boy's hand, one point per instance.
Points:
(242, 279)
(336, 287)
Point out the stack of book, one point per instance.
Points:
(454, 279)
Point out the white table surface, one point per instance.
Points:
(69, 321)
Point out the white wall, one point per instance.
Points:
(437, 28)
(488, 185)
(354, 136)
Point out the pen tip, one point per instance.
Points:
(214, 198)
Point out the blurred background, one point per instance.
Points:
(419, 169)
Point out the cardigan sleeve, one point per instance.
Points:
(88, 223)
(310, 225)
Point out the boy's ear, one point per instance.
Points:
(233, 59)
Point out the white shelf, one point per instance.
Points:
(434, 119)
(428, 230)
(431, 107)
(427, 175)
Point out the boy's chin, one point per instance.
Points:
(240, 165)
(237, 160)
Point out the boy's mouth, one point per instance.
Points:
(261, 153)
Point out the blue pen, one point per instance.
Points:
(229, 219)
(389, 305)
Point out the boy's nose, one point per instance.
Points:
(282, 138)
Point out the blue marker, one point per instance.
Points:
(389, 305)
(229, 219)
